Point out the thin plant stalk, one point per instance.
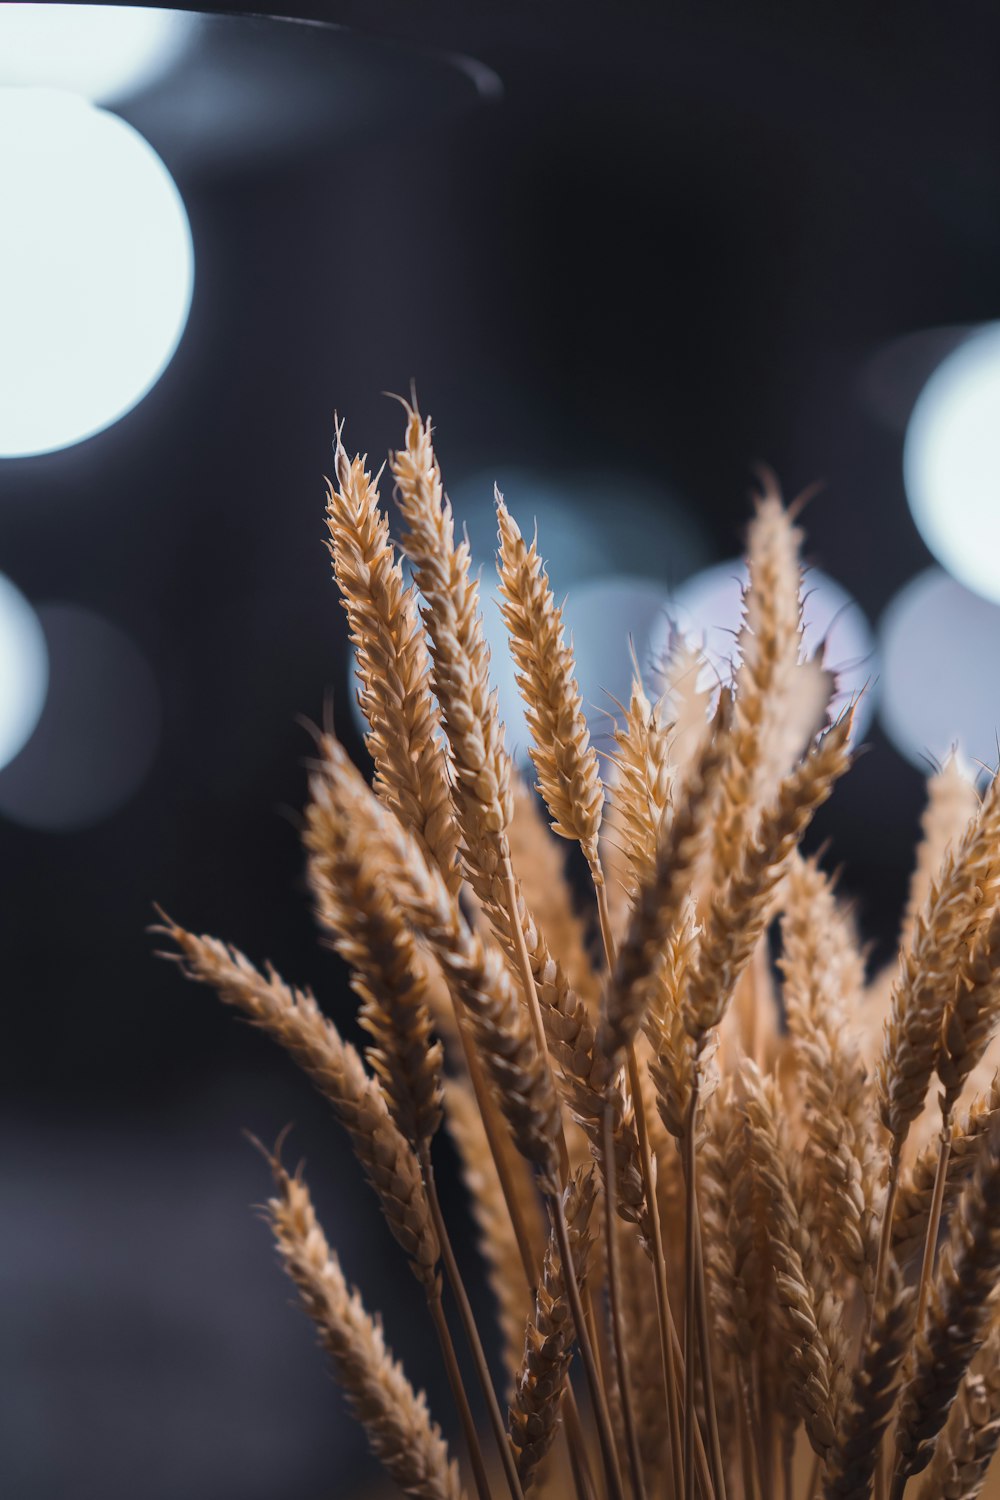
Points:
(574, 1430)
(708, 1380)
(663, 1313)
(748, 1464)
(469, 1325)
(459, 1394)
(614, 1307)
(885, 1234)
(602, 1419)
(934, 1219)
(690, 1286)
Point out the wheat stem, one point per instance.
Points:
(613, 1269)
(690, 1416)
(664, 1316)
(885, 1234)
(708, 1378)
(469, 1326)
(602, 1417)
(934, 1218)
(531, 995)
(649, 1188)
(459, 1394)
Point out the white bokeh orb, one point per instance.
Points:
(940, 645)
(951, 463)
(104, 52)
(96, 269)
(708, 610)
(24, 670)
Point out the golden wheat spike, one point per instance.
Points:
(566, 761)
(394, 1417)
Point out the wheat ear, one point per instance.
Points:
(737, 916)
(481, 787)
(639, 793)
(394, 1417)
(662, 897)
(808, 1351)
(564, 758)
(392, 662)
(539, 863)
(476, 972)
(505, 1039)
(926, 984)
(769, 646)
(388, 975)
(294, 1020)
(482, 775)
(821, 986)
(956, 1318)
(951, 804)
(916, 1183)
(970, 1022)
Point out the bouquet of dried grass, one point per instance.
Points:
(739, 1246)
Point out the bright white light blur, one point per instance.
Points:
(104, 52)
(951, 463)
(96, 270)
(708, 609)
(24, 670)
(940, 646)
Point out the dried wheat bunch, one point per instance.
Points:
(709, 1201)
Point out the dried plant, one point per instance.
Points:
(710, 1224)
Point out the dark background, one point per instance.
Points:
(674, 247)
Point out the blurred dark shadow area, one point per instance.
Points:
(626, 253)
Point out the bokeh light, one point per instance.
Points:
(98, 730)
(24, 670)
(591, 523)
(96, 269)
(951, 463)
(708, 610)
(104, 52)
(940, 645)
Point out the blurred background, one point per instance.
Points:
(626, 253)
